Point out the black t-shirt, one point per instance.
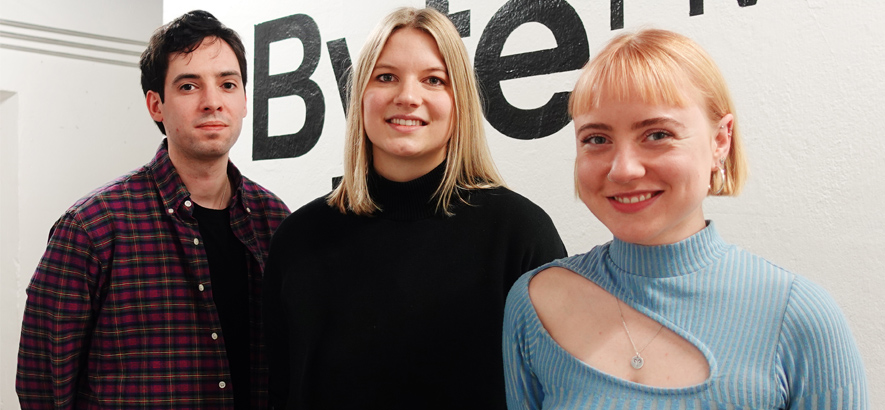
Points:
(229, 276)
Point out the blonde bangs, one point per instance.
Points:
(626, 71)
(660, 67)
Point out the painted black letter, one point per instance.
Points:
(341, 65)
(296, 82)
(571, 53)
(696, 7)
(617, 14)
(461, 19)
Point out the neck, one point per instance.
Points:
(207, 182)
(404, 170)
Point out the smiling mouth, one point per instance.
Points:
(633, 198)
(409, 123)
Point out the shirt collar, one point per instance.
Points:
(689, 255)
(173, 191)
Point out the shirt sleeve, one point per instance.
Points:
(822, 366)
(524, 391)
(543, 243)
(58, 319)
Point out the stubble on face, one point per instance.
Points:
(204, 103)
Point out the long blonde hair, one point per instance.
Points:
(653, 65)
(469, 162)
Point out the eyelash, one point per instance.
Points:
(599, 139)
(663, 133)
(228, 85)
(589, 140)
(440, 81)
(433, 80)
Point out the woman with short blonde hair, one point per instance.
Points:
(668, 315)
(655, 66)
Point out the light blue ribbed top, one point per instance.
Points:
(773, 339)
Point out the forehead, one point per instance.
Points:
(212, 55)
(410, 43)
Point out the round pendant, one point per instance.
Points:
(637, 362)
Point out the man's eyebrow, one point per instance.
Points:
(192, 76)
(185, 76)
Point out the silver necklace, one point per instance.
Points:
(637, 361)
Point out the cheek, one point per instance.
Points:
(373, 102)
(444, 106)
(441, 111)
(585, 174)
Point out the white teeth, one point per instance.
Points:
(400, 121)
(632, 199)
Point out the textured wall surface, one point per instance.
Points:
(805, 75)
(72, 117)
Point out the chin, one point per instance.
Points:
(639, 235)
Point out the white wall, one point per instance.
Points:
(805, 75)
(807, 79)
(68, 124)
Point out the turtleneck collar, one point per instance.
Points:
(406, 200)
(680, 258)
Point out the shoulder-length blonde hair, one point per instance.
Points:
(654, 65)
(469, 162)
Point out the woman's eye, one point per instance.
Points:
(435, 81)
(657, 135)
(384, 78)
(594, 140)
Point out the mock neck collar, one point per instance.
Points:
(413, 199)
(681, 258)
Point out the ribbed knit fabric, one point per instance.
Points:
(773, 339)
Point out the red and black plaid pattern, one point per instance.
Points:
(120, 312)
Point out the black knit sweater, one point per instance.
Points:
(402, 309)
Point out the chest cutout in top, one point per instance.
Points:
(584, 319)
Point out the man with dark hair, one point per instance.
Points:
(148, 294)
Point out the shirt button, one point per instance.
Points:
(249, 211)
(201, 287)
(214, 336)
(196, 241)
(170, 211)
(188, 203)
(222, 384)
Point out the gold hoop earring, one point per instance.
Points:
(721, 169)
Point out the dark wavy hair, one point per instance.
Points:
(183, 35)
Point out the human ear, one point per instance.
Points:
(722, 139)
(154, 105)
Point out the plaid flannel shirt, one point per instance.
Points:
(120, 312)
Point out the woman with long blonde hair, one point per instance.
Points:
(389, 292)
